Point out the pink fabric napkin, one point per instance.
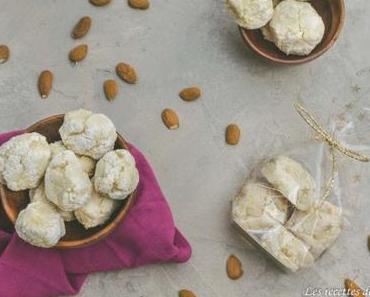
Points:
(147, 235)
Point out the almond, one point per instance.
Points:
(139, 4)
(110, 89)
(126, 73)
(45, 83)
(100, 2)
(78, 53)
(234, 267)
(186, 293)
(4, 53)
(190, 94)
(82, 27)
(353, 289)
(232, 134)
(170, 119)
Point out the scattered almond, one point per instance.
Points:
(190, 94)
(139, 4)
(170, 119)
(126, 73)
(45, 83)
(4, 53)
(232, 134)
(110, 89)
(100, 2)
(186, 293)
(82, 27)
(353, 289)
(78, 53)
(234, 267)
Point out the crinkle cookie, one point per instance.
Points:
(257, 207)
(296, 27)
(116, 175)
(96, 211)
(38, 194)
(319, 227)
(287, 249)
(40, 225)
(291, 179)
(23, 161)
(66, 184)
(251, 14)
(88, 164)
(89, 134)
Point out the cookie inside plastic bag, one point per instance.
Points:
(291, 206)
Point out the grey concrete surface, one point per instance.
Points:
(176, 44)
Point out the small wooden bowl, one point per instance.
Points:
(76, 235)
(332, 13)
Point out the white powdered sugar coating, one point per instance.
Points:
(116, 175)
(40, 225)
(23, 161)
(66, 184)
(87, 133)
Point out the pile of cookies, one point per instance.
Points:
(294, 26)
(280, 211)
(80, 177)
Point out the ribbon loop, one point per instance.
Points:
(329, 139)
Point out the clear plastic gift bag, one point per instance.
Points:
(291, 206)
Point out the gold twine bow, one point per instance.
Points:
(333, 143)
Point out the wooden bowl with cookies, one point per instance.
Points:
(76, 235)
(332, 13)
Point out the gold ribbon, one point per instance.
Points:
(333, 143)
(329, 139)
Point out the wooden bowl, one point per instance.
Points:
(332, 13)
(76, 235)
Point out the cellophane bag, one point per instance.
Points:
(292, 206)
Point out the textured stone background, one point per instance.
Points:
(175, 44)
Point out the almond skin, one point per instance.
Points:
(139, 4)
(45, 83)
(126, 73)
(78, 53)
(232, 134)
(82, 27)
(353, 289)
(100, 2)
(4, 53)
(234, 268)
(190, 94)
(186, 293)
(170, 119)
(110, 89)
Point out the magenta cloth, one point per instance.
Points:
(147, 235)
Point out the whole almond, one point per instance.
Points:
(190, 94)
(4, 53)
(78, 53)
(170, 119)
(139, 4)
(186, 293)
(234, 267)
(232, 134)
(353, 289)
(110, 89)
(100, 2)
(126, 73)
(82, 27)
(45, 83)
